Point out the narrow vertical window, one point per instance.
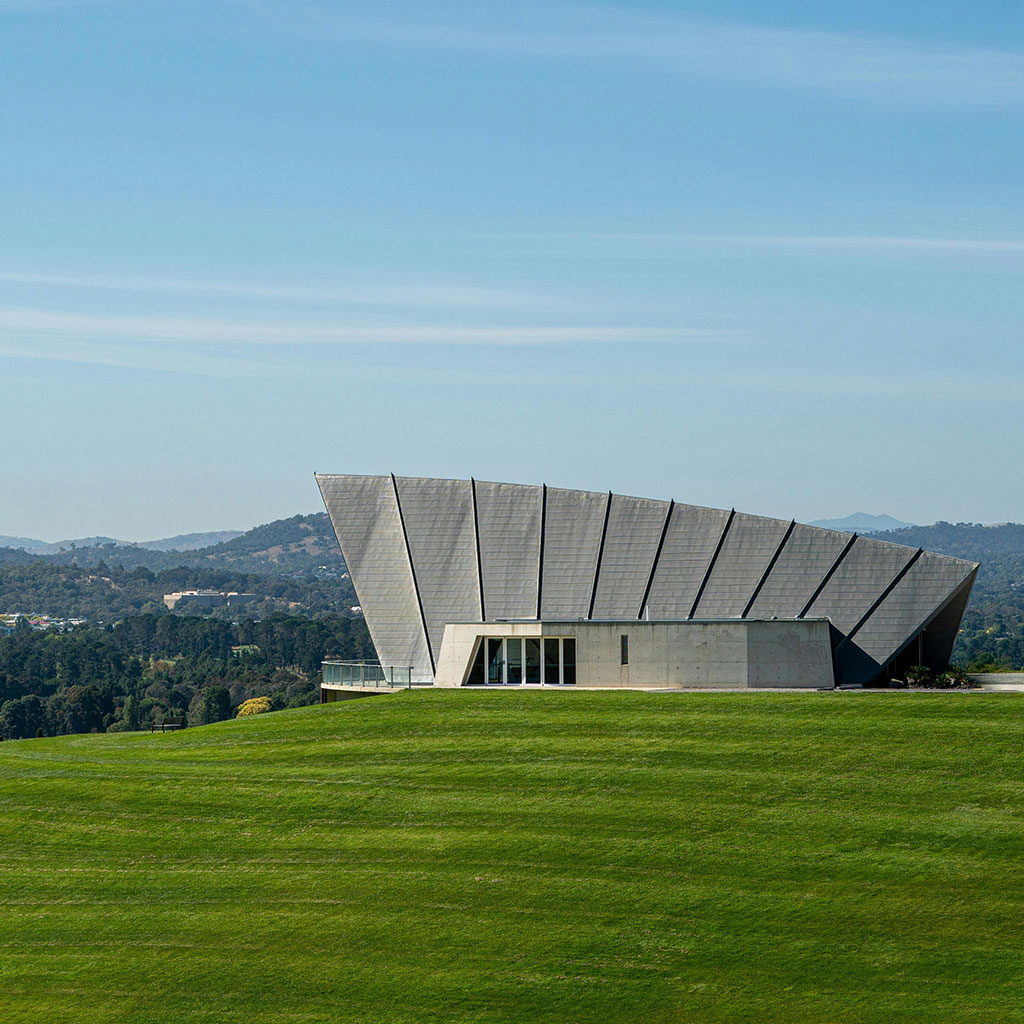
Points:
(624, 648)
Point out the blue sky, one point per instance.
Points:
(738, 254)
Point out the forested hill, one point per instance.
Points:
(103, 594)
(299, 544)
(972, 541)
(999, 549)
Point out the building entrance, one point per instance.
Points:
(533, 660)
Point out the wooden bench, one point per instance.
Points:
(168, 723)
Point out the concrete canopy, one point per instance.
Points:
(425, 552)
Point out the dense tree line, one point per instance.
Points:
(146, 667)
(992, 632)
(105, 593)
(976, 543)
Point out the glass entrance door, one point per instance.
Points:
(534, 660)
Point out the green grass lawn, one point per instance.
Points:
(538, 856)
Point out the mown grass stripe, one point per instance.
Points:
(525, 857)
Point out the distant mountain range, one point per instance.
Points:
(182, 542)
(23, 543)
(299, 544)
(306, 544)
(862, 522)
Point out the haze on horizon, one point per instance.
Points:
(736, 254)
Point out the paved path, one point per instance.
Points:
(999, 681)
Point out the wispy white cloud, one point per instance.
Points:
(883, 68)
(131, 357)
(731, 383)
(418, 294)
(41, 6)
(213, 330)
(879, 385)
(872, 243)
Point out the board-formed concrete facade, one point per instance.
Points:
(425, 553)
(694, 653)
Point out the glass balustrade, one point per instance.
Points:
(366, 674)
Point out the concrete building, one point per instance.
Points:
(464, 582)
(206, 599)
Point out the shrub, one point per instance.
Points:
(254, 706)
(952, 679)
(920, 675)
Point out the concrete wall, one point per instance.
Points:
(333, 694)
(694, 653)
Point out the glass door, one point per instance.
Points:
(513, 660)
(552, 660)
(531, 661)
(534, 660)
(495, 660)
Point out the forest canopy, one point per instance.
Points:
(122, 677)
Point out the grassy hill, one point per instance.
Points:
(533, 857)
